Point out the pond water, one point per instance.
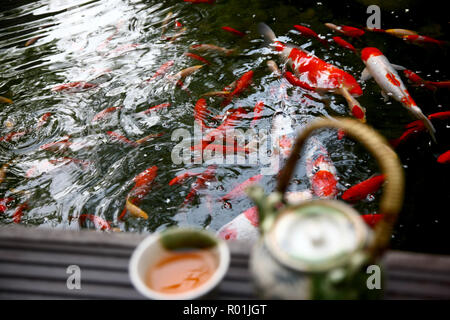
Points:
(119, 44)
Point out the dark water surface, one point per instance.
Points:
(117, 45)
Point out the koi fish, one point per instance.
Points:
(5, 100)
(121, 138)
(200, 183)
(414, 128)
(43, 120)
(135, 211)
(281, 133)
(225, 149)
(346, 30)
(150, 136)
(178, 24)
(234, 31)
(3, 170)
(182, 177)
(344, 44)
(379, 67)
(162, 70)
(196, 57)
(307, 32)
(444, 115)
(372, 219)
(4, 204)
(444, 158)
(216, 93)
(361, 190)
(239, 190)
(166, 22)
(272, 65)
(418, 39)
(201, 112)
(432, 85)
(102, 114)
(18, 213)
(186, 72)
(56, 146)
(241, 84)
(177, 35)
(320, 170)
(313, 72)
(155, 108)
(400, 32)
(257, 111)
(74, 86)
(244, 227)
(32, 40)
(99, 222)
(12, 136)
(211, 47)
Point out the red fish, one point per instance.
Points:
(99, 222)
(431, 85)
(178, 24)
(440, 115)
(162, 70)
(372, 219)
(344, 44)
(363, 189)
(226, 149)
(104, 113)
(119, 137)
(56, 146)
(182, 177)
(240, 189)
(234, 31)
(17, 215)
(244, 227)
(307, 32)
(241, 84)
(444, 158)
(196, 57)
(200, 183)
(321, 171)
(74, 86)
(418, 39)
(413, 129)
(346, 30)
(157, 107)
(4, 204)
(257, 111)
(297, 82)
(201, 112)
(229, 122)
(43, 120)
(12, 136)
(143, 182)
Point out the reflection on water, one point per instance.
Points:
(115, 46)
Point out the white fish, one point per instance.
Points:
(379, 67)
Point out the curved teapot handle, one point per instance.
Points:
(392, 197)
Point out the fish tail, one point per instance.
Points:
(419, 114)
(269, 35)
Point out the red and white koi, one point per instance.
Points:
(57, 145)
(346, 30)
(99, 222)
(43, 120)
(361, 190)
(315, 74)
(18, 213)
(102, 114)
(244, 227)
(162, 70)
(239, 190)
(384, 73)
(320, 170)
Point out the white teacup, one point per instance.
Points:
(155, 246)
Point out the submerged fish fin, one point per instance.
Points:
(365, 75)
(419, 114)
(269, 35)
(385, 96)
(397, 67)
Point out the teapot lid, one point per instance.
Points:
(316, 235)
